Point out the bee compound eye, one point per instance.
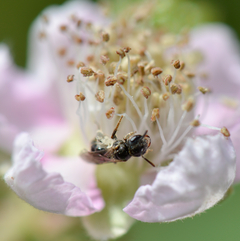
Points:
(137, 145)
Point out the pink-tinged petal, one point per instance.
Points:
(197, 179)
(221, 59)
(44, 190)
(27, 105)
(7, 134)
(235, 136)
(44, 52)
(78, 172)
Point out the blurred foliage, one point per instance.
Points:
(21, 222)
(173, 15)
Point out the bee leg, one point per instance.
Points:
(129, 135)
(116, 128)
(148, 161)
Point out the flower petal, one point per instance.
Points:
(196, 180)
(43, 190)
(220, 49)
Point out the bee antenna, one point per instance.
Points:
(148, 161)
(145, 133)
(116, 128)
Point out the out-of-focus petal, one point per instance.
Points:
(26, 103)
(44, 52)
(44, 190)
(7, 134)
(221, 58)
(196, 180)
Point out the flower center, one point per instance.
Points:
(153, 99)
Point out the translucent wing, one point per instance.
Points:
(98, 157)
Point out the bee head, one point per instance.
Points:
(138, 144)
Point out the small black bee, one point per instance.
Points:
(113, 150)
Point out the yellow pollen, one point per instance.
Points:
(70, 78)
(155, 114)
(111, 80)
(146, 92)
(80, 97)
(176, 64)
(156, 71)
(86, 71)
(110, 113)
(225, 132)
(100, 96)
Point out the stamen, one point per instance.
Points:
(80, 97)
(132, 100)
(86, 71)
(70, 78)
(177, 129)
(100, 96)
(110, 113)
(117, 66)
(130, 119)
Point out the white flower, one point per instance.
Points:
(192, 173)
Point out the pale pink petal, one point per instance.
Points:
(44, 190)
(27, 104)
(7, 134)
(43, 53)
(197, 179)
(221, 53)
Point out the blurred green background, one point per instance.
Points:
(21, 222)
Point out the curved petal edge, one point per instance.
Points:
(43, 190)
(197, 179)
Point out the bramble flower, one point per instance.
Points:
(80, 61)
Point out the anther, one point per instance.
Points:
(63, 28)
(141, 69)
(80, 65)
(176, 64)
(146, 92)
(188, 105)
(42, 35)
(90, 58)
(45, 18)
(203, 90)
(225, 132)
(111, 80)
(110, 113)
(175, 88)
(77, 39)
(121, 78)
(70, 78)
(100, 96)
(167, 79)
(105, 37)
(80, 97)
(182, 65)
(121, 53)
(126, 49)
(62, 51)
(70, 62)
(155, 114)
(166, 96)
(195, 123)
(79, 22)
(86, 71)
(156, 71)
(190, 74)
(104, 59)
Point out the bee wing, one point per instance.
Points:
(97, 157)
